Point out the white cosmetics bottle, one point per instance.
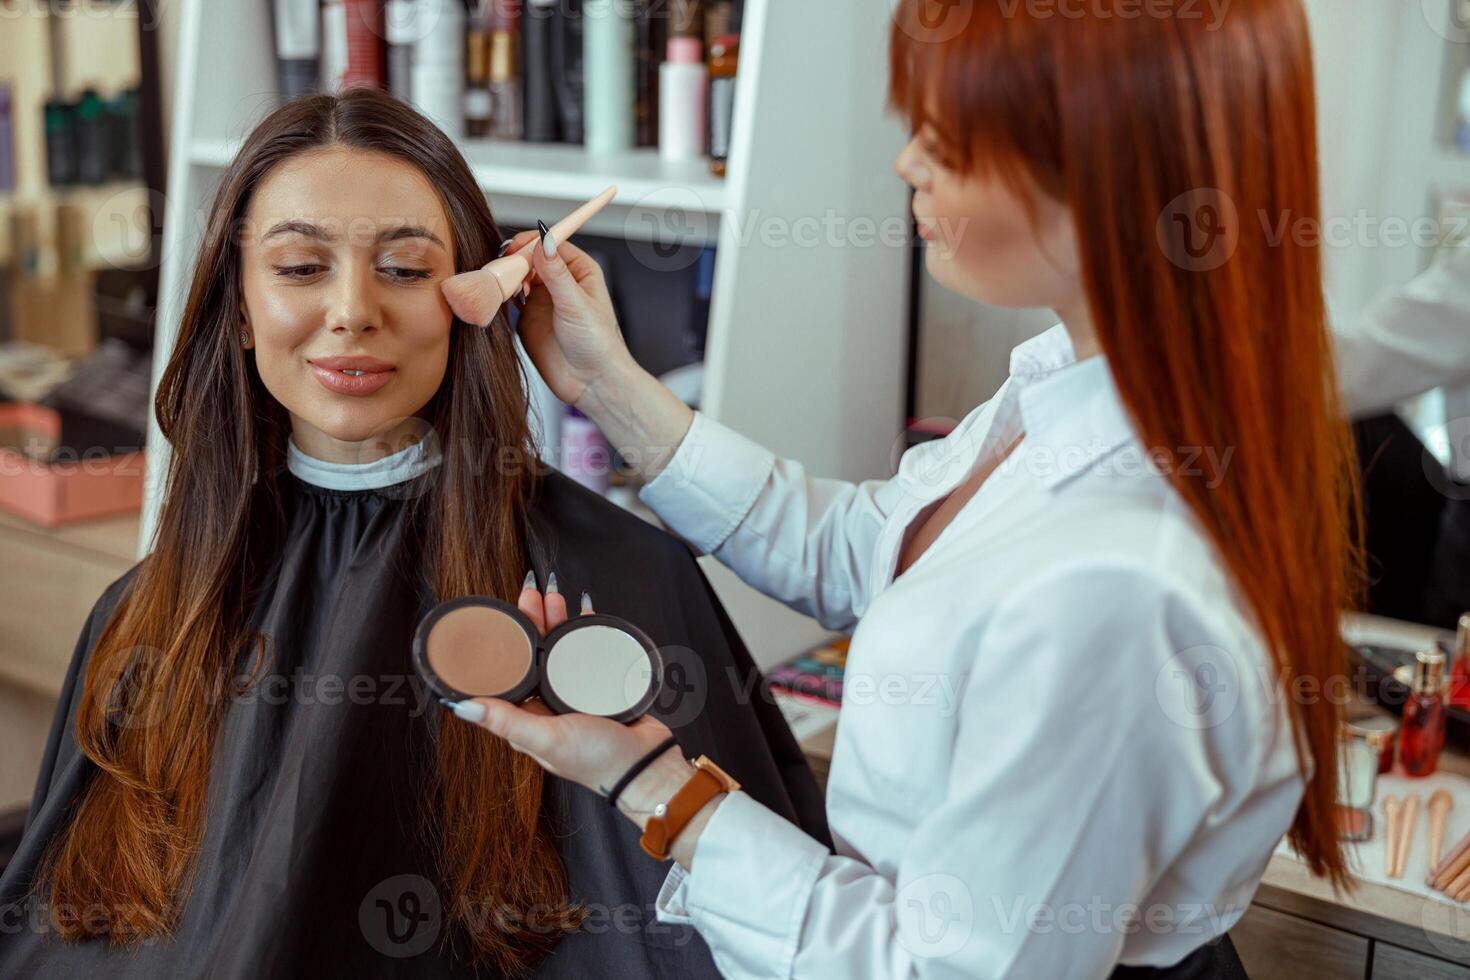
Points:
(438, 68)
(682, 91)
(608, 66)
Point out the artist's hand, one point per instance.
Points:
(567, 324)
(582, 748)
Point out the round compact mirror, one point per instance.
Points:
(600, 665)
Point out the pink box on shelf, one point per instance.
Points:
(53, 492)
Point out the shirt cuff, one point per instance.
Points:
(749, 912)
(710, 484)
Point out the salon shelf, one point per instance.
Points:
(559, 172)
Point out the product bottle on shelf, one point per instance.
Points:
(1421, 735)
(724, 61)
(477, 100)
(610, 87)
(505, 87)
(683, 84)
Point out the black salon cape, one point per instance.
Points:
(311, 862)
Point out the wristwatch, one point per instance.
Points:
(669, 819)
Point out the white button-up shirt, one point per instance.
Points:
(1060, 745)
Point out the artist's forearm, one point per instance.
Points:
(658, 784)
(644, 420)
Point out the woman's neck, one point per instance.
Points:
(1078, 321)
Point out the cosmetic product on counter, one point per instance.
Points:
(1392, 809)
(477, 110)
(1357, 784)
(537, 24)
(1459, 695)
(567, 70)
(1408, 816)
(505, 87)
(7, 142)
(1451, 866)
(480, 646)
(724, 62)
(1376, 727)
(585, 452)
(438, 69)
(297, 26)
(683, 93)
(1421, 735)
(61, 143)
(400, 24)
(1440, 805)
(609, 90)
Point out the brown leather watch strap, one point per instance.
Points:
(663, 828)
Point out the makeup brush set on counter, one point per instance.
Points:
(1398, 792)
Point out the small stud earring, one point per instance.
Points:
(244, 339)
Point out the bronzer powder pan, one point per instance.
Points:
(478, 646)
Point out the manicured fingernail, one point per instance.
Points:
(469, 710)
(504, 247)
(586, 603)
(548, 241)
(530, 582)
(551, 585)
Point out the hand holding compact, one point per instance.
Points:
(586, 749)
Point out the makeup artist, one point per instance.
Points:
(1066, 746)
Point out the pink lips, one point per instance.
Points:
(367, 374)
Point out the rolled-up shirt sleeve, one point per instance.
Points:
(805, 541)
(1051, 809)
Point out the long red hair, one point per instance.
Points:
(1181, 144)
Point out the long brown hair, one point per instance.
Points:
(173, 641)
(1219, 340)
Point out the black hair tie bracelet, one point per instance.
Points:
(637, 767)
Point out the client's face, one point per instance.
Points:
(343, 252)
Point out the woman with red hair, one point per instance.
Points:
(1090, 686)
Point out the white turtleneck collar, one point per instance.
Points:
(401, 466)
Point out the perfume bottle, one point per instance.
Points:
(1459, 696)
(1421, 735)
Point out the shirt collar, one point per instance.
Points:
(399, 467)
(1071, 410)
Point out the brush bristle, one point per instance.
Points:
(473, 296)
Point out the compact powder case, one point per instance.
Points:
(479, 646)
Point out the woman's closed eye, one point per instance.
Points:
(396, 273)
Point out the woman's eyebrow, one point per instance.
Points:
(319, 233)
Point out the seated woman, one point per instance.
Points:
(244, 778)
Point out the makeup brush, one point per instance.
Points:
(1407, 819)
(1456, 861)
(476, 296)
(1390, 832)
(1440, 805)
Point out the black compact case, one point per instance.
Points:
(570, 669)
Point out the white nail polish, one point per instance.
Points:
(469, 710)
(530, 580)
(548, 245)
(586, 603)
(551, 585)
